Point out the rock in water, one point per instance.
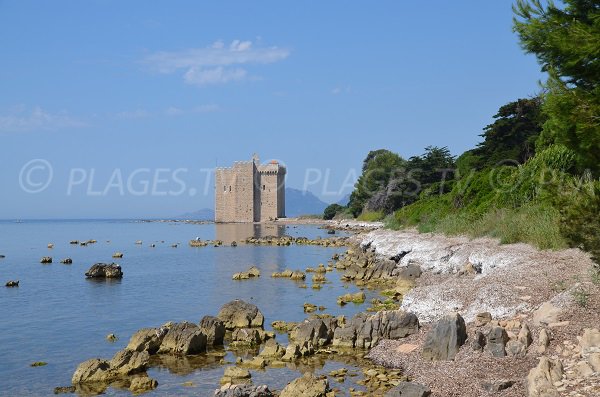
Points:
(94, 370)
(142, 384)
(240, 314)
(12, 283)
(46, 259)
(146, 339)
(214, 329)
(104, 270)
(445, 338)
(409, 389)
(64, 389)
(235, 375)
(183, 338)
(307, 386)
(230, 390)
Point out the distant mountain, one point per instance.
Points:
(298, 202)
(205, 214)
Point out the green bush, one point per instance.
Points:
(332, 210)
(371, 216)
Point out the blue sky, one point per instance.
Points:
(115, 96)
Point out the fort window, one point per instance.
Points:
(229, 187)
(263, 187)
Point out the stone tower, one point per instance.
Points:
(250, 192)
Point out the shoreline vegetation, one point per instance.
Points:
(534, 177)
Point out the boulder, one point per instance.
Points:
(307, 386)
(496, 341)
(541, 379)
(124, 363)
(214, 329)
(235, 375)
(590, 342)
(478, 342)
(146, 340)
(543, 341)
(482, 319)
(117, 255)
(409, 389)
(365, 331)
(514, 348)
(183, 338)
(315, 331)
(128, 362)
(295, 350)
(546, 314)
(142, 384)
(46, 259)
(445, 338)
(345, 337)
(240, 314)
(93, 370)
(104, 270)
(12, 283)
(67, 261)
(386, 324)
(525, 336)
(244, 390)
(246, 337)
(410, 272)
(272, 349)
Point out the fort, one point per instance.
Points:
(250, 192)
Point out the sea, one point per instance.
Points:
(59, 317)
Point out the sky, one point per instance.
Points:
(114, 109)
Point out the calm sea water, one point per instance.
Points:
(59, 317)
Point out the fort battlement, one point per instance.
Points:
(250, 192)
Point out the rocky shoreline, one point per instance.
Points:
(460, 317)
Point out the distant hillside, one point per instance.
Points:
(298, 202)
(205, 214)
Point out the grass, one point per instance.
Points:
(535, 223)
(371, 216)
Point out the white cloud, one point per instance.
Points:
(199, 76)
(18, 120)
(217, 63)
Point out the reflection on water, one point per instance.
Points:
(228, 232)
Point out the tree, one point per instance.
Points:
(511, 137)
(433, 168)
(567, 44)
(331, 210)
(377, 171)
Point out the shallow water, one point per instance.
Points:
(58, 316)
